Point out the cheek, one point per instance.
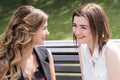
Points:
(74, 31)
(89, 33)
(89, 36)
(36, 38)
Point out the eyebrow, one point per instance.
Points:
(80, 24)
(73, 24)
(46, 26)
(83, 25)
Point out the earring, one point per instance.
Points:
(103, 35)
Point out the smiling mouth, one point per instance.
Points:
(81, 37)
(43, 38)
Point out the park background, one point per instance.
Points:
(60, 15)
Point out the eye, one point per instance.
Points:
(84, 27)
(74, 25)
(44, 28)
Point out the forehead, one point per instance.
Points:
(81, 20)
(44, 25)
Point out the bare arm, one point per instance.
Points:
(52, 70)
(113, 62)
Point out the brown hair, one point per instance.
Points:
(26, 20)
(97, 20)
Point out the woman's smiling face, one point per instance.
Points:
(40, 35)
(82, 30)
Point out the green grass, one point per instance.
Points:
(60, 13)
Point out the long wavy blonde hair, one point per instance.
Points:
(26, 20)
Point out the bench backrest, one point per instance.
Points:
(66, 59)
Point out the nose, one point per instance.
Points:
(47, 32)
(78, 31)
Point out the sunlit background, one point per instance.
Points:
(60, 14)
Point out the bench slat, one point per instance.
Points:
(67, 69)
(66, 59)
(66, 53)
(63, 50)
(62, 77)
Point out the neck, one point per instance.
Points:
(29, 66)
(91, 48)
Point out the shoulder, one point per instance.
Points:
(41, 50)
(112, 54)
(50, 54)
(112, 48)
(41, 53)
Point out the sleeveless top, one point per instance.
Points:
(98, 71)
(43, 72)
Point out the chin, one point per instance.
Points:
(81, 42)
(42, 43)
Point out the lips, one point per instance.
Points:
(43, 39)
(81, 37)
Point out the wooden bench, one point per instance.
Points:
(66, 58)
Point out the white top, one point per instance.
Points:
(98, 70)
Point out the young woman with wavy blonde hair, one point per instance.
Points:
(20, 59)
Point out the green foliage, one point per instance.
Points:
(60, 14)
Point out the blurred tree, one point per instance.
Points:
(24, 2)
(85, 1)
